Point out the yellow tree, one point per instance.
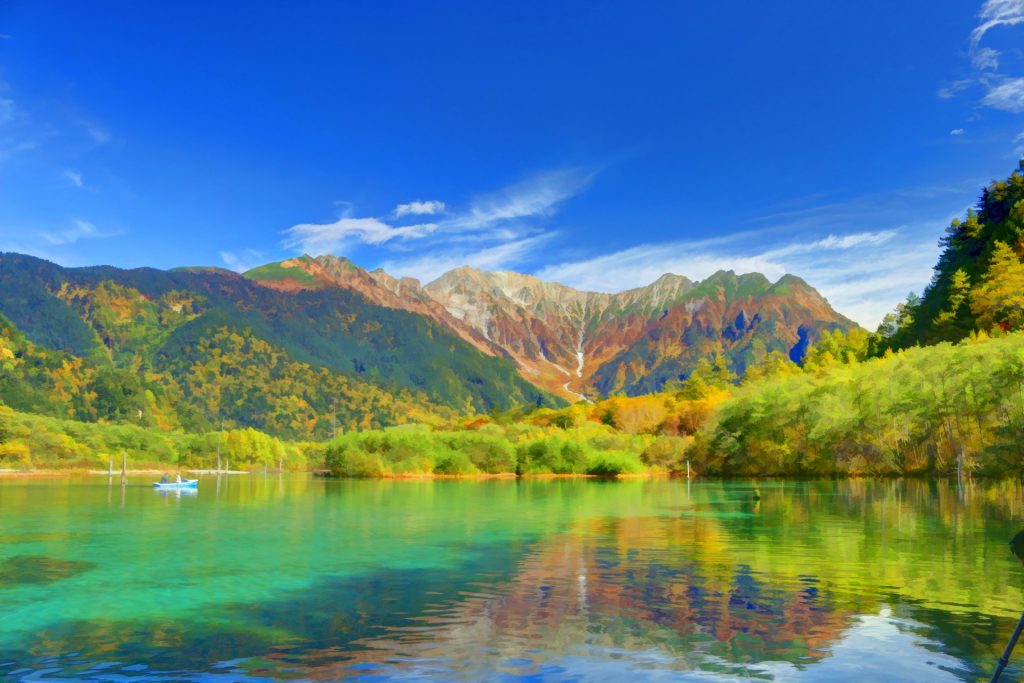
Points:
(999, 299)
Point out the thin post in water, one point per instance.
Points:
(1017, 548)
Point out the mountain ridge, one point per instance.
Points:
(574, 342)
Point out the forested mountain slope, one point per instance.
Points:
(190, 347)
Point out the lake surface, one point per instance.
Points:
(289, 578)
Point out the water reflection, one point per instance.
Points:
(295, 579)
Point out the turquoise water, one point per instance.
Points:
(274, 578)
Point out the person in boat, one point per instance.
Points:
(177, 478)
(165, 479)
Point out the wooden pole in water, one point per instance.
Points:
(110, 466)
(220, 437)
(1017, 548)
(124, 468)
(1005, 659)
(687, 468)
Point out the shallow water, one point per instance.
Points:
(291, 578)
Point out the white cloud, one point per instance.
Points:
(1000, 91)
(74, 177)
(1019, 141)
(314, 238)
(79, 230)
(537, 196)
(1007, 95)
(419, 208)
(957, 131)
(997, 13)
(854, 240)
(247, 259)
(985, 58)
(494, 228)
(955, 88)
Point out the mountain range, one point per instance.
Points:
(588, 344)
(298, 346)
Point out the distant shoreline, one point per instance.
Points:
(74, 472)
(78, 472)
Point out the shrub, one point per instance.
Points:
(612, 463)
(666, 452)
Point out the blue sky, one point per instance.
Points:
(596, 144)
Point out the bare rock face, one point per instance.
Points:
(379, 287)
(579, 344)
(593, 343)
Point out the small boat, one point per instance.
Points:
(183, 484)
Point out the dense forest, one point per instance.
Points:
(979, 279)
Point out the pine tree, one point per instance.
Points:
(959, 293)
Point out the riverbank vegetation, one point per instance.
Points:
(29, 441)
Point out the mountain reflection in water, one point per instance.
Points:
(292, 579)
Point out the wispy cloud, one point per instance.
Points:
(19, 131)
(504, 256)
(319, 238)
(244, 260)
(73, 177)
(538, 196)
(97, 133)
(79, 230)
(1001, 91)
(957, 131)
(1007, 95)
(985, 58)
(419, 208)
(997, 13)
(12, 146)
(955, 88)
(14, 138)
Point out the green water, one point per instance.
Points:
(291, 578)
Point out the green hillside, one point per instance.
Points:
(187, 348)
